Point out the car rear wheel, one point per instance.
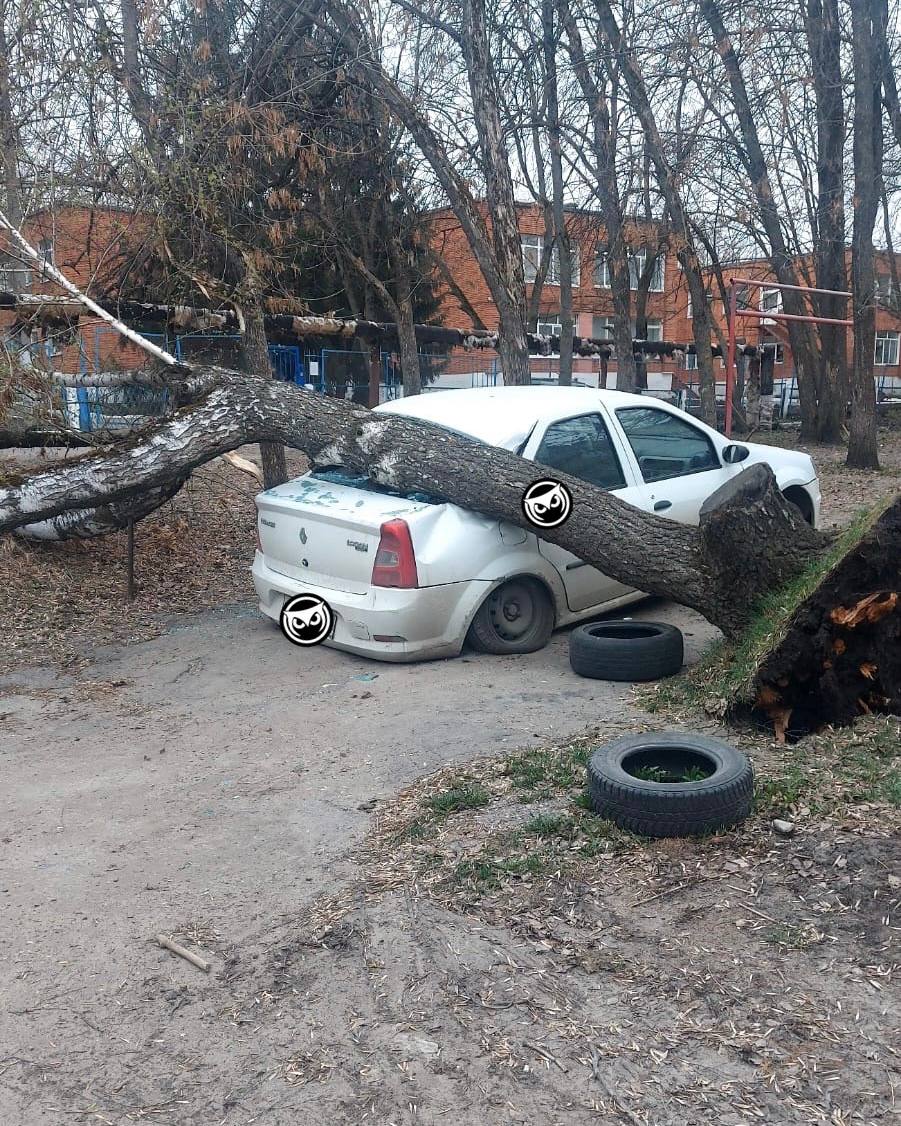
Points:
(516, 617)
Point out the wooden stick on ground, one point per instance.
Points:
(244, 464)
(183, 952)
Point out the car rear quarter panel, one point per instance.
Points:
(454, 545)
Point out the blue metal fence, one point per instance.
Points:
(287, 363)
(342, 373)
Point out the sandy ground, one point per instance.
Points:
(218, 784)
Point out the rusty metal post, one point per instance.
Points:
(375, 374)
(730, 357)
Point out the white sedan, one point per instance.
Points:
(410, 578)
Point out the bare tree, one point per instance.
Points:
(593, 81)
(669, 189)
(549, 44)
(868, 24)
(495, 240)
(824, 38)
(807, 354)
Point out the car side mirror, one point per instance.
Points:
(735, 453)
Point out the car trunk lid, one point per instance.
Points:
(324, 529)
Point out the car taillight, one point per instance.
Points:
(395, 561)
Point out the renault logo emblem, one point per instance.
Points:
(303, 535)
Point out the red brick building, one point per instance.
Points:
(89, 246)
(773, 334)
(669, 305)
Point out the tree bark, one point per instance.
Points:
(561, 235)
(255, 361)
(751, 154)
(411, 372)
(9, 155)
(607, 192)
(824, 39)
(750, 539)
(868, 34)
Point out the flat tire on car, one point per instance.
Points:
(626, 650)
(670, 783)
(516, 617)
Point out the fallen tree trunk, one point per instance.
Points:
(750, 540)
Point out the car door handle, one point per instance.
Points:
(662, 504)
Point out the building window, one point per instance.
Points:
(602, 328)
(742, 300)
(771, 301)
(776, 348)
(637, 263)
(636, 269)
(45, 246)
(553, 269)
(548, 324)
(691, 361)
(654, 330)
(532, 247)
(884, 285)
(601, 272)
(532, 250)
(886, 349)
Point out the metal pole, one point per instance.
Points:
(375, 374)
(755, 314)
(730, 357)
(131, 561)
(763, 284)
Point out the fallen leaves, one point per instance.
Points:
(60, 600)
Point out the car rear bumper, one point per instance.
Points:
(424, 623)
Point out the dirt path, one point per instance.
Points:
(373, 963)
(209, 783)
(218, 785)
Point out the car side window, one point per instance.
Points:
(664, 445)
(582, 446)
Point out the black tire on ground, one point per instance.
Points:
(516, 617)
(670, 808)
(626, 650)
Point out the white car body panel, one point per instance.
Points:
(322, 535)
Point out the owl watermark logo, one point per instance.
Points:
(306, 619)
(547, 504)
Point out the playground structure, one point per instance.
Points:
(765, 315)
